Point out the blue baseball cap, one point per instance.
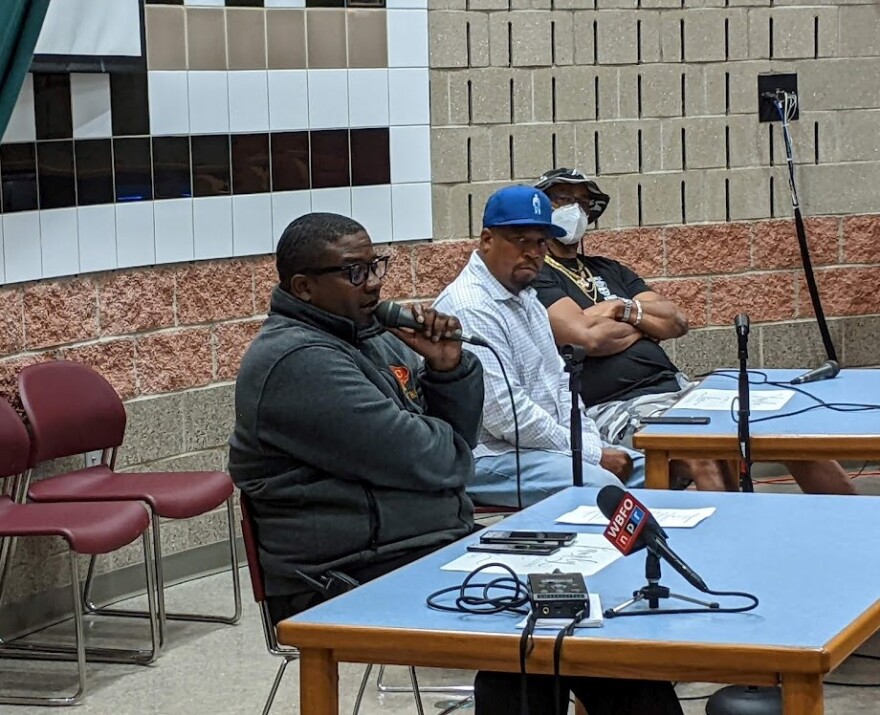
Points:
(520, 206)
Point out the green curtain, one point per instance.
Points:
(20, 24)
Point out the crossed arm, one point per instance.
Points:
(600, 328)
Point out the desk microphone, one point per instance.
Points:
(825, 371)
(632, 527)
(394, 315)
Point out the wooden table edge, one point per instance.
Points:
(784, 446)
(454, 649)
(855, 634)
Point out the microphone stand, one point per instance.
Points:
(743, 436)
(573, 356)
(740, 699)
(653, 592)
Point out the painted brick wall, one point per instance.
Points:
(169, 338)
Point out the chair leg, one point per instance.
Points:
(236, 581)
(16, 491)
(417, 696)
(435, 689)
(80, 654)
(155, 594)
(7, 551)
(361, 689)
(275, 684)
(87, 604)
(42, 651)
(160, 583)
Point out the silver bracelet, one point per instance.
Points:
(627, 309)
(638, 312)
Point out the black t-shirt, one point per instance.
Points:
(641, 369)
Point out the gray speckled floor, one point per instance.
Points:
(209, 669)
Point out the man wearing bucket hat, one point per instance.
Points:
(493, 298)
(603, 306)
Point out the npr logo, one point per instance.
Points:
(626, 524)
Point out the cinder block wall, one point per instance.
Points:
(657, 98)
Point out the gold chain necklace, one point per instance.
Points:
(583, 279)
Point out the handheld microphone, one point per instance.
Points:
(742, 324)
(825, 371)
(632, 527)
(394, 315)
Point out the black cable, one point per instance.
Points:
(800, 228)
(833, 406)
(519, 502)
(557, 656)
(485, 604)
(526, 643)
(677, 611)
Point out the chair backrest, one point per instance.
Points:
(71, 408)
(15, 444)
(249, 536)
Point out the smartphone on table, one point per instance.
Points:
(510, 547)
(559, 538)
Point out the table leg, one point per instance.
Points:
(656, 469)
(318, 682)
(802, 694)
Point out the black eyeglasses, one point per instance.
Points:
(357, 272)
(563, 199)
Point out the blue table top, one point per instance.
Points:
(850, 386)
(813, 561)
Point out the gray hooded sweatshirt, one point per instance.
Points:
(349, 447)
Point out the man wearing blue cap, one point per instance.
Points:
(493, 298)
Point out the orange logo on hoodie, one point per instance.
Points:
(402, 375)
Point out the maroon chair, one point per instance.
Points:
(73, 410)
(258, 580)
(88, 528)
(249, 536)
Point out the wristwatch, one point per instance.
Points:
(627, 309)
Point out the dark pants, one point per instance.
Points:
(499, 693)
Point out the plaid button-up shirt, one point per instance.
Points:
(518, 327)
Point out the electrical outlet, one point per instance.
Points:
(768, 87)
(93, 459)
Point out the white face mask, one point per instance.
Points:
(574, 220)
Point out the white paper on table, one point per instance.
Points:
(588, 555)
(709, 399)
(595, 619)
(667, 518)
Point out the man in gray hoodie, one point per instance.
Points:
(353, 452)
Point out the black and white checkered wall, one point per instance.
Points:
(169, 163)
